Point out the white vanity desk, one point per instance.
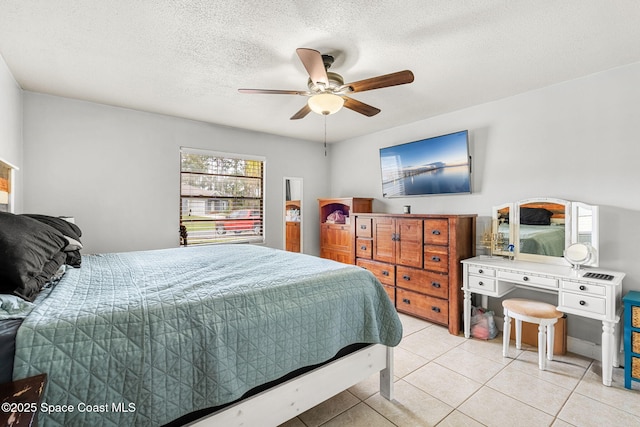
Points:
(593, 298)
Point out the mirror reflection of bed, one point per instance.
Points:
(542, 228)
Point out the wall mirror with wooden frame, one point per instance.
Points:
(541, 229)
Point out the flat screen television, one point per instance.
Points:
(438, 165)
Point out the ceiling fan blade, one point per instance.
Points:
(302, 113)
(393, 79)
(273, 91)
(360, 107)
(313, 63)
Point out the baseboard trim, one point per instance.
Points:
(584, 348)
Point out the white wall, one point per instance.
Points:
(117, 171)
(11, 126)
(577, 140)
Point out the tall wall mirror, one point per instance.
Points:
(541, 229)
(292, 215)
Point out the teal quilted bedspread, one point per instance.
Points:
(142, 338)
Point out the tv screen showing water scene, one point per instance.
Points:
(438, 165)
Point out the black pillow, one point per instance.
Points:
(68, 229)
(62, 225)
(535, 216)
(30, 254)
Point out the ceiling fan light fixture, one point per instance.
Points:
(325, 103)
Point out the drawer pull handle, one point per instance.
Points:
(436, 232)
(406, 300)
(363, 227)
(480, 271)
(583, 302)
(385, 273)
(406, 277)
(583, 288)
(435, 284)
(481, 283)
(525, 278)
(435, 258)
(436, 309)
(364, 248)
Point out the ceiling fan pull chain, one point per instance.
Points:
(325, 135)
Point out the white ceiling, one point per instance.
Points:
(188, 58)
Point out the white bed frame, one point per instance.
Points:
(289, 399)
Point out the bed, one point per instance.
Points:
(154, 337)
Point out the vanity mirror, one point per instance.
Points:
(541, 229)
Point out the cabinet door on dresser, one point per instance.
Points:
(409, 242)
(384, 244)
(398, 240)
(336, 242)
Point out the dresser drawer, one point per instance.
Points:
(585, 288)
(391, 291)
(426, 282)
(436, 231)
(635, 367)
(635, 342)
(384, 272)
(585, 303)
(436, 258)
(524, 278)
(363, 227)
(364, 248)
(489, 272)
(430, 308)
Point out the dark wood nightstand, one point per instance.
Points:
(20, 401)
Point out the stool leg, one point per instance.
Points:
(506, 334)
(550, 333)
(541, 347)
(519, 334)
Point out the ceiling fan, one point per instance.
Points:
(327, 91)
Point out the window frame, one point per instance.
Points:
(216, 208)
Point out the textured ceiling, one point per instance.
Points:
(188, 58)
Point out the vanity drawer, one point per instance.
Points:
(427, 282)
(363, 227)
(585, 303)
(436, 258)
(524, 278)
(363, 248)
(584, 288)
(384, 272)
(434, 309)
(482, 283)
(474, 269)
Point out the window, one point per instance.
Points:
(221, 197)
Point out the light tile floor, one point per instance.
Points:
(443, 380)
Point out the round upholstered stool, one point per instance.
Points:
(543, 314)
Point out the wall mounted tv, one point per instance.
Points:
(438, 165)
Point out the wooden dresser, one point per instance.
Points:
(417, 258)
(336, 240)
